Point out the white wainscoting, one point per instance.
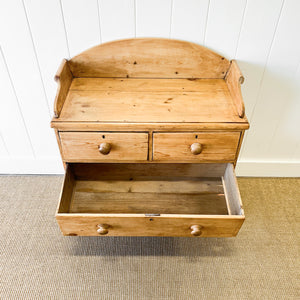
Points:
(262, 35)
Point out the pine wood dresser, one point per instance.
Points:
(149, 131)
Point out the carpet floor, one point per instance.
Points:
(37, 262)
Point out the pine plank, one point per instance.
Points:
(123, 204)
(177, 146)
(149, 100)
(84, 146)
(151, 58)
(154, 196)
(150, 186)
(147, 85)
(148, 203)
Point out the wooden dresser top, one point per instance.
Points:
(149, 100)
(143, 81)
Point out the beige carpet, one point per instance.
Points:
(37, 262)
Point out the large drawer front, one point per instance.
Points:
(85, 146)
(141, 225)
(150, 200)
(195, 146)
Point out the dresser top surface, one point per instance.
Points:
(149, 100)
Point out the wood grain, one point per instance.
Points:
(64, 79)
(142, 126)
(133, 103)
(151, 58)
(84, 146)
(59, 144)
(148, 203)
(122, 205)
(140, 225)
(177, 146)
(154, 171)
(239, 147)
(234, 78)
(196, 186)
(147, 84)
(232, 193)
(67, 191)
(162, 103)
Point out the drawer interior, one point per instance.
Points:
(150, 189)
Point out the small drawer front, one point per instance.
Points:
(103, 146)
(196, 146)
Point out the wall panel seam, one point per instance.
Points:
(65, 29)
(4, 144)
(18, 103)
(37, 60)
(171, 17)
(279, 120)
(250, 118)
(207, 16)
(134, 7)
(266, 63)
(272, 134)
(241, 28)
(99, 21)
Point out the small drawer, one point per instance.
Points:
(103, 146)
(150, 200)
(195, 146)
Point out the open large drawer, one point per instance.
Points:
(150, 200)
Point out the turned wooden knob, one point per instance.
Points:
(196, 148)
(196, 230)
(104, 148)
(103, 229)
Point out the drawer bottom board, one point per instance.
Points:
(149, 197)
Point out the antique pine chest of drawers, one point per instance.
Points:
(149, 131)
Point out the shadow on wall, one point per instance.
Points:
(150, 246)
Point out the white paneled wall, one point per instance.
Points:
(262, 35)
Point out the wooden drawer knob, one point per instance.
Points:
(104, 148)
(196, 230)
(196, 148)
(103, 229)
